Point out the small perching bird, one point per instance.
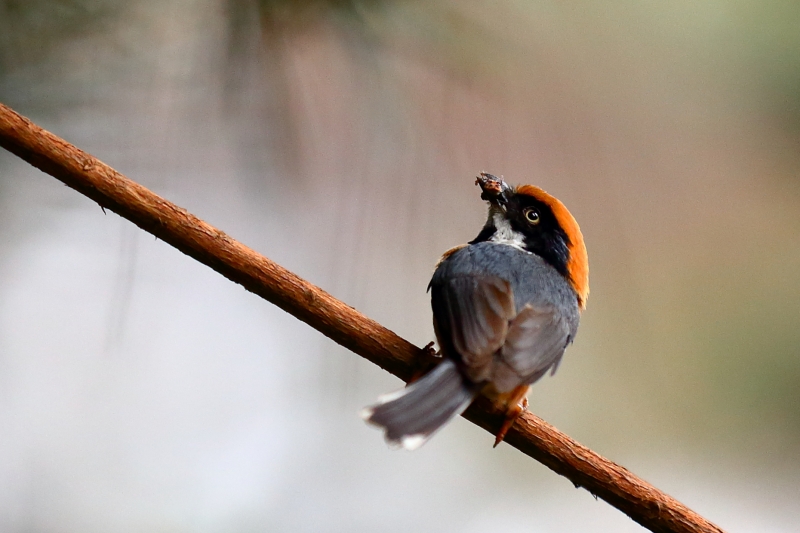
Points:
(505, 307)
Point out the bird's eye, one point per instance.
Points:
(532, 216)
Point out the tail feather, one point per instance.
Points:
(410, 416)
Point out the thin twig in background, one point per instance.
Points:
(638, 499)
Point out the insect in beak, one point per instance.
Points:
(495, 190)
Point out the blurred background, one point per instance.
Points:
(140, 391)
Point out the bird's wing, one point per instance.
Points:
(471, 318)
(536, 340)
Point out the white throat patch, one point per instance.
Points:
(505, 234)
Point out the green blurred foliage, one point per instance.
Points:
(31, 29)
(294, 11)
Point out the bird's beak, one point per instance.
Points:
(495, 190)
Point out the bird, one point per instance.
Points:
(506, 305)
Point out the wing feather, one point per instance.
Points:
(535, 342)
(472, 315)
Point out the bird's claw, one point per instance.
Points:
(519, 405)
(428, 358)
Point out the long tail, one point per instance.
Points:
(411, 415)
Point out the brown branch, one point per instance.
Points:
(638, 499)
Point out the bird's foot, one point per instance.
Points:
(516, 405)
(427, 359)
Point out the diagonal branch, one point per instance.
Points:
(638, 499)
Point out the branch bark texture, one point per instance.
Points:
(531, 435)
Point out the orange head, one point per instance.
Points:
(529, 218)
